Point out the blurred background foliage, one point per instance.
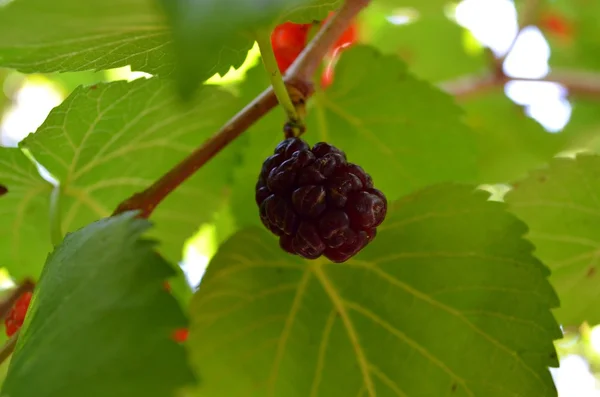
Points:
(440, 44)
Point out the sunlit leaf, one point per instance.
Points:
(447, 300)
(24, 225)
(106, 142)
(561, 205)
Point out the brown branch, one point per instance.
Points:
(298, 76)
(9, 301)
(578, 83)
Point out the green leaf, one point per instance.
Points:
(100, 322)
(25, 229)
(510, 142)
(561, 205)
(582, 130)
(381, 116)
(66, 35)
(227, 27)
(108, 141)
(446, 300)
(424, 42)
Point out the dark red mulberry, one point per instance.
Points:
(317, 202)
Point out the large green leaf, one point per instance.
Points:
(24, 225)
(406, 133)
(447, 300)
(108, 141)
(561, 205)
(66, 35)
(510, 142)
(100, 322)
(208, 26)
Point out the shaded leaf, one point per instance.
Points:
(100, 322)
(228, 28)
(88, 35)
(561, 205)
(446, 300)
(24, 208)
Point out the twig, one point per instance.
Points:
(467, 86)
(578, 83)
(9, 347)
(298, 76)
(9, 301)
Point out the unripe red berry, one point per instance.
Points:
(16, 315)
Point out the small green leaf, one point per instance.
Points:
(66, 35)
(100, 322)
(561, 205)
(108, 141)
(25, 212)
(510, 142)
(447, 300)
(227, 27)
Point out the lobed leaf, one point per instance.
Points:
(446, 300)
(25, 212)
(106, 142)
(561, 205)
(100, 322)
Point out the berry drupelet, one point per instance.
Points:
(317, 202)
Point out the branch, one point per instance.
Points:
(578, 83)
(297, 77)
(9, 301)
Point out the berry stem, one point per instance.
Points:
(56, 235)
(13, 296)
(263, 38)
(305, 65)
